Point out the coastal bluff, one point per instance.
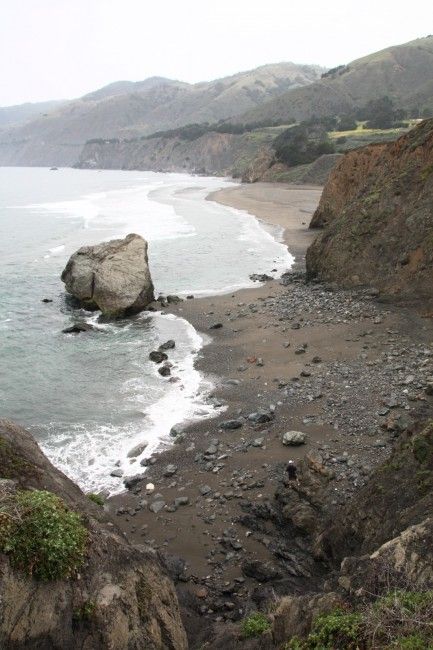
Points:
(376, 212)
(113, 276)
(116, 595)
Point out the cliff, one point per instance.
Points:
(213, 153)
(110, 595)
(377, 217)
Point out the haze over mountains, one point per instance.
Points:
(276, 93)
(127, 109)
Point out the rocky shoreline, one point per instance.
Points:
(350, 372)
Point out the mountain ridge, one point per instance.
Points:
(58, 137)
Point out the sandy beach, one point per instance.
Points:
(307, 356)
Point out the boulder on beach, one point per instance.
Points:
(294, 438)
(113, 276)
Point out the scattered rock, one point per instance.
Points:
(158, 356)
(77, 328)
(181, 501)
(168, 345)
(137, 450)
(165, 370)
(156, 506)
(229, 425)
(170, 470)
(294, 438)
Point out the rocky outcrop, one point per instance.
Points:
(258, 167)
(345, 181)
(120, 599)
(113, 276)
(377, 213)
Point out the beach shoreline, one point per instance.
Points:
(306, 355)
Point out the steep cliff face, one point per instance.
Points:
(212, 153)
(377, 213)
(345, 181)
(120, 598)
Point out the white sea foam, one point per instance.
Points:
(89, 454)
(197, 247)
(120, 212)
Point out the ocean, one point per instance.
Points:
(90, 398)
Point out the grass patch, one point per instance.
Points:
(255, 625)
(41, 536)
(96, 498)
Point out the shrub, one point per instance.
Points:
(96, 498)
(302, 144)
(43, 537)
(339, 629)
(255, 625)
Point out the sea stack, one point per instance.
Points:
(113, 276)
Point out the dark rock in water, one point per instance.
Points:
(177, 430)
(231, 424)
(168, 345)
(157, 356)
(117, 473)
(46, 300)
(173, 300)
(215, 326)
(190, 297)
(260, 277)
(165, 370)
(77, 328)
(260, 571)
(132, 481)
(113, 276)
(137, 450)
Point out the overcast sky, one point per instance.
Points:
(51, 49)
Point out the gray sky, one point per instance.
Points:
(52, 49)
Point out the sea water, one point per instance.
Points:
(91, 398)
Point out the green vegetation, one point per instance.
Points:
(41, 535)
(399, 619)
(337, 630)
(85, 612)
(255, 625)
(96, 498)
(302, 144)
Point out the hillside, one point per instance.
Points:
(21, 113)
(111, 594)
(377, 215)
(404, 72)
(128, 110)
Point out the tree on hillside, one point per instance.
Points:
(302, 144)
(380, 113)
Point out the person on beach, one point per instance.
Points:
(292, 472)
